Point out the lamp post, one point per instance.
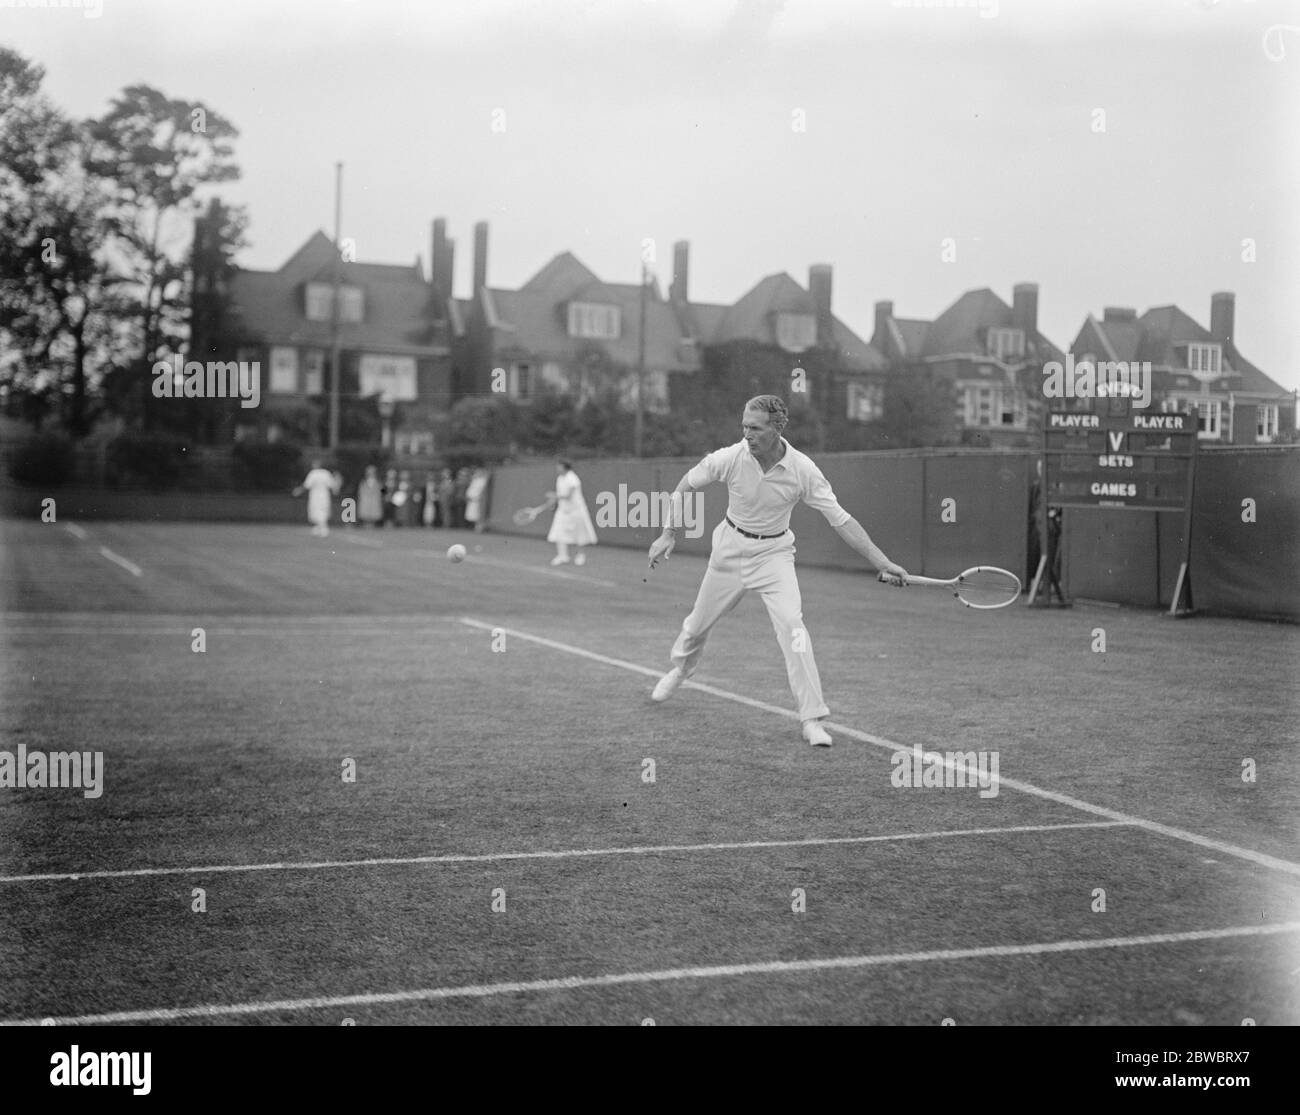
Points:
(334, 311)
(386, 406)
(640, 371)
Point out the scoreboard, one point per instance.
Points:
(1126, 458)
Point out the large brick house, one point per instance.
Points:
(1194, 369)
(393, 339)
(794, 325)
(569, 330)
(566, 330)
(990, 352)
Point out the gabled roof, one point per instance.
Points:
(563, 275)
(534, 318)
(1166, 329)
(962, 330)
(537, 323)
(1160, 336)
(957, 329)
(270, 305)
(318, 249)
(912, 332)
(1108, 340)
(753, 318)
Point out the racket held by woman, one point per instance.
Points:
(526, 515)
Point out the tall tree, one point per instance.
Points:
(156, 154)
(918, 410)
(53, 288)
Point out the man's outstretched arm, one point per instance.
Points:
(662, 547)
(856, 536)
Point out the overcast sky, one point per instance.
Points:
(634, 119)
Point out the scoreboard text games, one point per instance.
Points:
(1136, 460)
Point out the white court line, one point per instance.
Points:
(117, 559)
(475, 559)
(110, 623)
(574, 853)
(664, 975)
(172, 632)
(74, 530)
(879, 741)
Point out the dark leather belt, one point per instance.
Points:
(747, 534)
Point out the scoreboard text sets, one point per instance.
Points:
(1121, 456)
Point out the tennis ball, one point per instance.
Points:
(456, 553)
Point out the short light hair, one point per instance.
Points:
(773, 406)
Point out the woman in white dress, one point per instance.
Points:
(319, 485)
(572, 524)
(474, 501)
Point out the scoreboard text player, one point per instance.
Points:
(1136, 460)
(1120, 456)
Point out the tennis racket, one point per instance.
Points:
(981, 586)
(526, 515)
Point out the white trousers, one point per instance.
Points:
(736, 566)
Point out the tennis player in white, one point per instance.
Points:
(753, 549)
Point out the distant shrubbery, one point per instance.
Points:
(45, 461)
(267, 466)
(351, 461)
(150, 460)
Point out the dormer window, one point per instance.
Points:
(320, 299)
(351, 304)
(796, 332)
(1204, 359)
(1006, 344)
(594, 320)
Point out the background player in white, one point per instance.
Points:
(319, 485)
(753, 548)
(572, 525)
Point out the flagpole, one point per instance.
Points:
(640, 372)
(334, 310)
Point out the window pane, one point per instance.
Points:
(284, 370)
(351, 304)
(319, 296)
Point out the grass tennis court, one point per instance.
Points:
(498, 715)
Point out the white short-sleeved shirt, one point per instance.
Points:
(760, 502)
(319, 480)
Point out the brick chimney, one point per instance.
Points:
(1120, 315)
(1024, 308)
(480, 256)
(1222, 315)
(819, 286)
(880, 338)
(681, 267)
(440, 267)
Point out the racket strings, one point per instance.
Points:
(987, 587)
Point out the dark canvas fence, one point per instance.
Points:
(899, 498)
(1117, 556)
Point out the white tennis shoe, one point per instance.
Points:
(667, 685)
(815, 734)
